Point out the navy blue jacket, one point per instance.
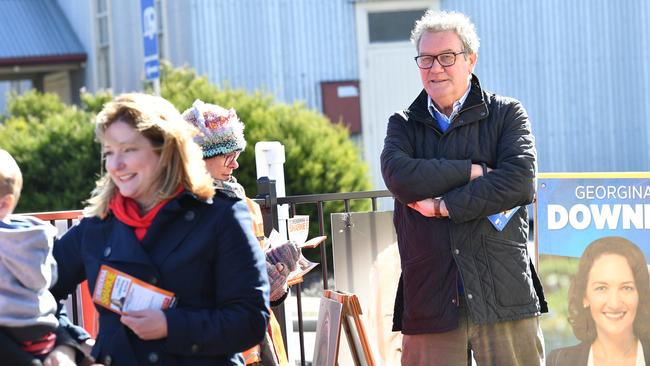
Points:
(204, 252)
(419, 161)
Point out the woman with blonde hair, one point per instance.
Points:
(154, 216)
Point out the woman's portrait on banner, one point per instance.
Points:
(609, 307)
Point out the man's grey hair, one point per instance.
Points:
(435, 21)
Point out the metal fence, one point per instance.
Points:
(269, 202)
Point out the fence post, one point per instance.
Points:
(269, 162)
(266, 191)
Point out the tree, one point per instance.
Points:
(54, 146)
(320, 158)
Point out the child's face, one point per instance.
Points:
(6, 205)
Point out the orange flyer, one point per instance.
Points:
(120, 292)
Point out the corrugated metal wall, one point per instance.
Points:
(579, 67)
(282, 46)
(581, 70)
(126, 46)
(127, 68)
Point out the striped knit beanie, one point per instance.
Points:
(220, 130)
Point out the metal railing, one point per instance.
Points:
(68, 218)
(268, 201)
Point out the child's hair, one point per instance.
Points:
(11, 179)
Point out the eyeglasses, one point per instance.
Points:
(444, 59)
(231, 157)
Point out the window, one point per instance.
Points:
(103, 45)
(392, 26)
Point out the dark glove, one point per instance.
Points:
(287, 254)
(278, 279)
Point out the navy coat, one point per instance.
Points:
(204, 252)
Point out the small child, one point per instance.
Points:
(27, 271)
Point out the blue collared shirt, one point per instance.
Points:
(443, 120)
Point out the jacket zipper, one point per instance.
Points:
(451, 123)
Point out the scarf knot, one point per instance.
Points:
(127, 211)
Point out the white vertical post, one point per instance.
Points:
(269, 162)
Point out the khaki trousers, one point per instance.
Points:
(516, 342)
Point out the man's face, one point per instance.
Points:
(445, 85)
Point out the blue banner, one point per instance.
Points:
(150, 39)
(574, 210)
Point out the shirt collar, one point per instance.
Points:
(455, 108)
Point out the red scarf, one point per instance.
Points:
(128, 212)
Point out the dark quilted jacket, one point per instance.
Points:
(419, 161)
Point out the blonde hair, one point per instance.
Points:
(435, 21)
(180, 163)
(11, 179)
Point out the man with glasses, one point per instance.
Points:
(460, 162)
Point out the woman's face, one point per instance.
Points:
(612, 295)
(221, 166)
(131, 162)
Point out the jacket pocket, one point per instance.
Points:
(425, 293)
(508, 265)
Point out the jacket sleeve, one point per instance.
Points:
(67, 252)
(411, 179)
(239, 319)
(511, 183)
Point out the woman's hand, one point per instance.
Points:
(147, 324)
(287, 254)
(277, 279)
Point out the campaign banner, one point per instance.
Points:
(593, 238)
(575, 209)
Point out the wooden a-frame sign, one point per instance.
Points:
(347, 314)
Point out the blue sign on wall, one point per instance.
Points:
(150, 39)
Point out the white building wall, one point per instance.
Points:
(580, 69)
(126, 46)
(81, 18)
(178, 32)
(279, 46)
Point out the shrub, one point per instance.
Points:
(54, 147)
